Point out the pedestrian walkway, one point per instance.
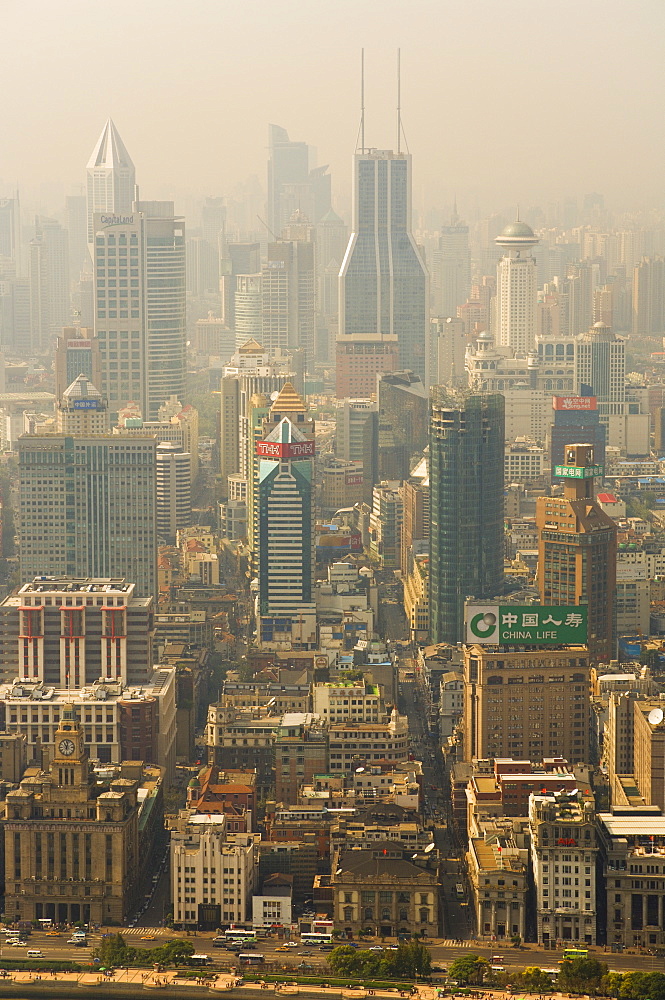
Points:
(450, 943)
(139, 931)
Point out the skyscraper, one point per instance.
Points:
(111, 186)
(87, 507)
(288, 290)
(49, 281)
(452, 268)
(577, 544)
(285, 516)
(174, 491)
(76, 353)
(140, 322)
(466, 505)
(292, 185)
(517, 289)
(383, 279)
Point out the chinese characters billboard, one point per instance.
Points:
(530, 625)
(578, 471)
(574, 402)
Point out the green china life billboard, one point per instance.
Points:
(528, 625)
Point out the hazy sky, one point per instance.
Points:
(503, 100)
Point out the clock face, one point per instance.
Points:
(66, 748)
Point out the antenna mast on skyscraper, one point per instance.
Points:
(362, 100)
(399, 105)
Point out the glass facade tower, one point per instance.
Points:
(384, 284)
(466, 505)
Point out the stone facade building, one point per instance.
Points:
(387, 891)
(71, 851)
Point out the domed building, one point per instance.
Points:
(517, 288)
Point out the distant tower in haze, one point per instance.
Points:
(111, 177)
(384, 283)
(517, 289)
(452, 268)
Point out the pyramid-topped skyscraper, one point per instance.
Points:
(111, 177)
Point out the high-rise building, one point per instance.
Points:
(252, 373)
(87, 507)
(361, 358)
(111, 178)
(288, 290)
(466, 464)
(649, 297)
(288, 166)
(384, 284)
(140, 321)
(248, 303)
(49, 281)
(577, 544)
(292, 185)
(285, 518)
(15, 315)
(68, 632)
(76, 353)
(447, 351)
(517, 289)
(565, 910)
(600, 365)
(551, 717)
(239, 258)
(451, 270)
(9, 228)
(403, 423)
(81, 409)
(580, 289)
(576, 418)
(174, 491)
(76, 213)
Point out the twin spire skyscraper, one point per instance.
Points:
(383, 281)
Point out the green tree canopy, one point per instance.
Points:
(468, 969)
(582, 974)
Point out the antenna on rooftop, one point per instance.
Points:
(362, 100)
(399, 103)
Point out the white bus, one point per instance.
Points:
(316, 937)
(240, 934)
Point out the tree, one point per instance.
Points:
(412, 958)
(581, 974)
(113, 951)
(533, 979)
(345, 960)
(640, 985)
(468, 969)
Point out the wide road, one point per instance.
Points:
(442, 954)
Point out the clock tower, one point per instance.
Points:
(70, 768)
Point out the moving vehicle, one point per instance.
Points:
(570, 953)
(239, 934)
(315, 937)
(219, 942)
(250, 959)
(282, 947)
(459, 890)
(200, 959)
(35, 953)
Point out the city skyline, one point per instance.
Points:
(493, 153)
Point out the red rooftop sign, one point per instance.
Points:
(285, 449)
(574, 402)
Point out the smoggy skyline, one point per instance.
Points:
(502, 103)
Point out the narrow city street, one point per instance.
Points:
(456, 909)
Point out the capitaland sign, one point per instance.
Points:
(578, 471)
(116, 220)
(529, 625)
